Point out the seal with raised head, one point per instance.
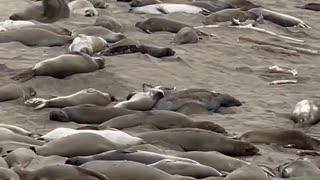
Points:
(88, 44)
(20, 157)
(299, 168)
(50, 11)
(62, 66)
(15, 91)
(85, 96)
(99, 31)
(87, 114)
(306, 113)
(186, 35)
(82, 7)
(226, 15)
(193, 139)
(109, 23)
(310, 6)
(34, 37)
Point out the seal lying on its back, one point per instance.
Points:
(34, 37)
(82, 7)
(86, 96)
(193, 139)
(50, 11)
(99, 31)
(310, 6)
(88, 44)
(62, 66)
(87, 114)
(306, 113)
(277, 18)
(15, 91)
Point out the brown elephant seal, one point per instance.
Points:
(276, 18)
(310, 6)
(82, 7)
(306, 113)
(19, 130)
(50, 11)
(87, 114)
(34, 37)
(193, 139)
(109, 23)
(125, 170)
(80, 144)
(143, 157)
(186, 35)
(15, 91)
(282, 137)
(62, 66)
(226, 15)
(88, 44)
(8, 174)
(175, 167)
(160, 119)
(8, 135)
(59, 171)
(20, 157)
(248, 172)
(53, 28)
(244, 5)
(214, 159)
(85, 96)
(99, 31)
(298, 168)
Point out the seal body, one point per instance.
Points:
(311, 6)
(166, 8)
(20, 157)
(109, 23)
(53, 28)
(10, 24)
(248, 172)
(8, 135)
(8, 174)
(185, 36)
(306, 113)
(82, 7)
(88, 44)
(298, 168)
(160, 24)
(99, 31)
(16, 91)
(226, 15)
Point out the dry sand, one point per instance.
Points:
(212, 63)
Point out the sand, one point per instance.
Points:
(221, 64)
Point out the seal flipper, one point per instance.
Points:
(39, 103)
(25, 75)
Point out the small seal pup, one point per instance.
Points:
(59, 171)
(282, 137)
(277, 18)
(99, 31)
(85, 96)
(143, 157)
(50, 11)
(8, 174)
(15, 91)
(88, 44)
(82, 7)
(87, 114)
(176, 167)
(226, 15)
(62, 66)
(310, 6)
(34, 37)
(306, 113)
(193, 139)
(186, 35)
(20, 157)
(109, 23)
(298, 168)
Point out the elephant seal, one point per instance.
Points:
(88, 44)
(8, 135)
(3, 163)
(112, 135)
(306, 113)
(193, 139)
(50, 11)
(10, 24)
(244, 5)
(175, 167)
(109, 23)
(310, 6)
(298, 168)
(15, 91)
(276, 18)
(168, 8)
(8, 174)
(59, 171)
(81, 144)
(85, 96)
(98, 3)
(143, 157)
(192, 108)
(62, 66)
(87, 114)
(53, 28)
(226, 15)
(160, 119)
(20, 157)
(186, 35)
(82, 7)
(34, 37)
(19, 130)
(212, 6)
(248, 172)
(282, 137)
(99, 31)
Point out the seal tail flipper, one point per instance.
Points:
(38, 103)
(303, 25)
(24, 76)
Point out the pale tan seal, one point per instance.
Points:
(186, 35)
(15, 91)
(86, 96)
(62, 66)
(8, 174)
(99, 31)
(19, 130)
(20, 157)
(50, 27)
(225, 16)
(8, 135)
(109, 23)
(82, 7)
(306, 113)
(88, 44)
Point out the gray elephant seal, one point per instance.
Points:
(306, 113)
(277, 18)
(248, 172)
(87, 114)
(298, 168)
(20, 157)
(193, 139)
(8, 135)
(34, 37)
(310, 6)
(186, 35)
(80, 144)
(282, 137)
(86, 96)
(143, 157)
(82, 7)
(53, 28)
(62, 66)
(8, 174)
(15, 91)
(99, 31)
(226, 15)
(88, 44)
(50, 11)
(59, 171)
(175, 167)
(109, 23)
